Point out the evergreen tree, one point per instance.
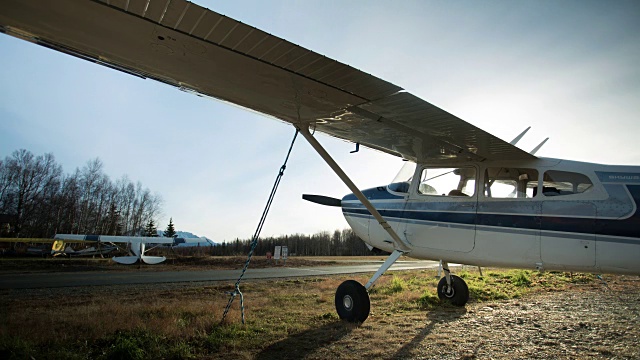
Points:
(151, 230)
(114, 227)
(171, 231)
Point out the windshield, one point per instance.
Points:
(403, 179)
(406, 172)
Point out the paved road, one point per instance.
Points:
(72, 279)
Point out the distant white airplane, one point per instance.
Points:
(136, 245)
(472, 197)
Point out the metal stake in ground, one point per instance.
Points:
(254, 240)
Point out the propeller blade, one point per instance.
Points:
(322, 200)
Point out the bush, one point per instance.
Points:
(125, 348)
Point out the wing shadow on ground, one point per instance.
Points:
(302, 344)
(305, 343)
(434, 317)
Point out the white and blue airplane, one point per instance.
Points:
(472, 198)
(135, 245)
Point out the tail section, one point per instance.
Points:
(138, 254)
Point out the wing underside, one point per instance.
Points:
(200, 51)
(114, 239)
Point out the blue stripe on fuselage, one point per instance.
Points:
(629, 227)
(377, 193)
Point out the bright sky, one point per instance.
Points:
(570, 69)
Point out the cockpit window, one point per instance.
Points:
(560, 183)
(510, 183)
(457, 182)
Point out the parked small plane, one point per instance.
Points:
(136, 246)
(90, 251)
(104, 244)
(473, 198)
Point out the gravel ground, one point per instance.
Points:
(586, 321)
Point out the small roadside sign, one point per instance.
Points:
(285, 254)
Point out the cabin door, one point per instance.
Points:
(440, 213)
(567, 234)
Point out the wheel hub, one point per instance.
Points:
(449, 291)
(347, 302)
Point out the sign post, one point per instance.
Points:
(285, 254)
(276, 253)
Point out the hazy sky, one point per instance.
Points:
(570, 69)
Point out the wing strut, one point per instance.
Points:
(352, 298)
(398, 243)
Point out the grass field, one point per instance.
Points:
(284, 318)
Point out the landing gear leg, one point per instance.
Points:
(452, 288)
(352, 299)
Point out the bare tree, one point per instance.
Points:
(44, 202)
(30, 177)
(6, 181)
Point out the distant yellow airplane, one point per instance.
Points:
(57, 246)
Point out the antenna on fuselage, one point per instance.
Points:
(535, 150)
(517, 138)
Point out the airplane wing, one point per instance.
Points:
(42, 241)
(208, 54)
(114, 239)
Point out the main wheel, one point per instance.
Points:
(457, 294)
(352, 301)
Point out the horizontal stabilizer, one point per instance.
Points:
(152, 260)
(322, 200)
(125, 260)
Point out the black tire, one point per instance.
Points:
(458, 294)
(352, 301)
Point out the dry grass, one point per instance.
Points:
(285, 318)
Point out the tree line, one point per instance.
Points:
(40, 200)
(339, 243)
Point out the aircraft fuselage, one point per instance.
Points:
(546, 214)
